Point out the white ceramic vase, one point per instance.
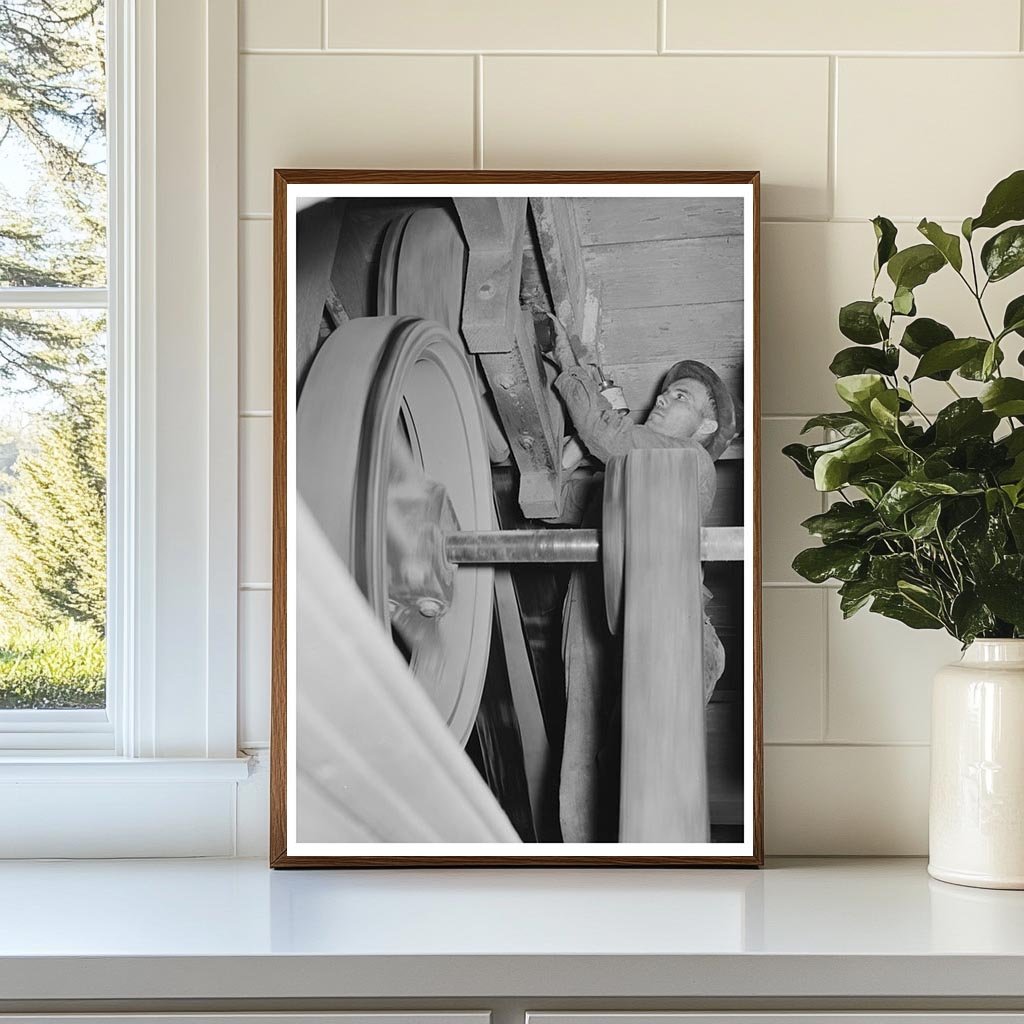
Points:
(976, 815)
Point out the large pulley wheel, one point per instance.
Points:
(382, 391)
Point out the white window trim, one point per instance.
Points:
(172, 497)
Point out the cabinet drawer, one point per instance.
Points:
(787, 1017)
(356, 1017)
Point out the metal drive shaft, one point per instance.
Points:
(499, 547)
(504, 546)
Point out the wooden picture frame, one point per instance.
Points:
(499, 217)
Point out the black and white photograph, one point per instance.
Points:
(516, 559)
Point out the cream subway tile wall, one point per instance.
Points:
(256, 306)
(879, 678)
(696, 112)
(254, 528)
(261, 24)
(971, 110)
(794, 647)
(254, 667)
(353, 111)
(846, 799)
(909, 110)
(472, 25)
(878, 25)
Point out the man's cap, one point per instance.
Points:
(690, 369)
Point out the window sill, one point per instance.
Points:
(94, 806)
(76, 767)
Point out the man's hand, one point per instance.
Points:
(568, 355)
(562, 350)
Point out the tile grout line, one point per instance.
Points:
(824, 724)
(851, 744)
(1020, 23)
(354, 51)
(323, 24)
(478, 111)
(831, 170)
(826, 692)
(662, 42)
(799, 585)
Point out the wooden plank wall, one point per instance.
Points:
(670, 272)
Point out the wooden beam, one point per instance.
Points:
(496, 328)
(574, 302)
(495, 230)
(532, 420)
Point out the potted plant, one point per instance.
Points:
(927, 521)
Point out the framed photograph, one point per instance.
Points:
(516, 611)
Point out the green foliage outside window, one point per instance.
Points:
(52, 365)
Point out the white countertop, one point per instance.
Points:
(234, 929)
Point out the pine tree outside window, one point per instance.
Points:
(53, 366)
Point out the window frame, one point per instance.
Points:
(54, 731)
(172, 465)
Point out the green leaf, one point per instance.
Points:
(991, 360)
(854, 594)
(843, 521)
(887, 570)
(885, 236)
(1013, 317)
(912, 267)
(817, 450)
(885, 409)
(1014, 473)
(925, 518)
(903, 302)
(974, 368)
(850, 361)
(965, 229)
(948, 356)
(924, 334)
(799, 455)
(841, 421)
(1014, 441)
(1003, 254)
(840, 561)
(831, 471)
(966, 417)
(1005, 202)
(857, 321)
(964, 482)
(1016, 521)
(947, 244)
(1004, 397)
(904, 495)
(971, 617)
(866, 445)
(1006, 599)
(858, 389)
(899, 608)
